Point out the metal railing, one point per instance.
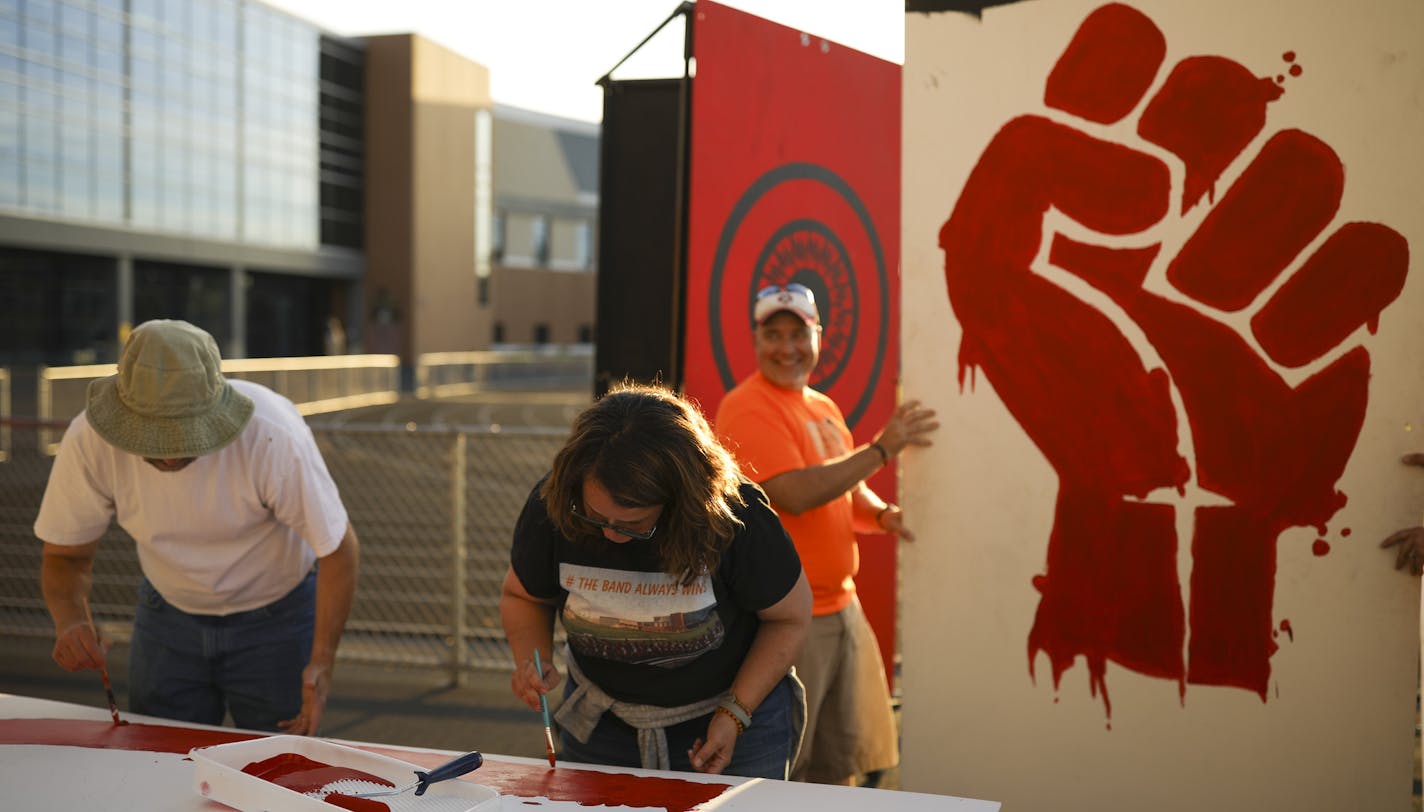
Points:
(450, 374)
(316, 384)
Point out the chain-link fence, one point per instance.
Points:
(434, 509)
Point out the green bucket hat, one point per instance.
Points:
(169, 398)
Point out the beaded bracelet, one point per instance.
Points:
(731, 706)
(741, 728)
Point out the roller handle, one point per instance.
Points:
(450, 769)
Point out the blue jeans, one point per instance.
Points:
(763, 751)
(196, 668)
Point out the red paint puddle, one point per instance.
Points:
(1105, 422)
(1345, 532)
(585, 787)
(108, 736)
(1321, 547)
(304, 775)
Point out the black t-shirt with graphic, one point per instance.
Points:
(635, 631)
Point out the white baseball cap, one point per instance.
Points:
(794, 297)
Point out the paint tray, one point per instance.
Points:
(218, 775)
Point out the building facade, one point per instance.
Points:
(292, 192)
(545, 229)
(194, 160)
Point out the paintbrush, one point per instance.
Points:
(544, 709)
(103, 667)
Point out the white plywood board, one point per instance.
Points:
(1336, 728)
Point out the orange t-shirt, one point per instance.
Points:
(771, 430)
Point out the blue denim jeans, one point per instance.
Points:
(763, 751)
(196, 668)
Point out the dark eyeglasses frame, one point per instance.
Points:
(789, 286)
(640, 535)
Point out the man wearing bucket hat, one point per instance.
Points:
(222, 487)
(795, 443)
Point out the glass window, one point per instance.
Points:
(143, 41)
(539, 240)
(74, 200)
(40, 11)
(40, 181)
(109, 197)
(40, 41)
(39, 138)
(9, 181)
(74, 50)
(9, 31)
(497, 237)
(109, 63)
(144, 8)
(10, 157)
(74, 21)
(109, 152)
(108, 31)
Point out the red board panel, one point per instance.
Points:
(795, 176)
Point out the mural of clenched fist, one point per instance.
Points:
(1260, 321)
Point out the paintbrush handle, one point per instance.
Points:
(544, 709)
(543, 700)
(103, 666)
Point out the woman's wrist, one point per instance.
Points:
(732, 707)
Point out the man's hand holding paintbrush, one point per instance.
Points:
(79, 646)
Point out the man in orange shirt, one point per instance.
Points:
(794, 442)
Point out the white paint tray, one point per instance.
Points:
(218, 775)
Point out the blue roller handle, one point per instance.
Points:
(450, 769)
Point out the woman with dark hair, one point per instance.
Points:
(682, 598)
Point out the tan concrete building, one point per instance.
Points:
(480, 219)
(545, 228)
(427, 109)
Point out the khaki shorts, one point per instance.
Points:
(850, 727)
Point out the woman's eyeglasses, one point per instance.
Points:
(641, 535)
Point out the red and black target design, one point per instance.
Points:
(801, 222)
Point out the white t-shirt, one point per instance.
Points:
(235, 530)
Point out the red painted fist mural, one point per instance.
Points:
(1265, 283)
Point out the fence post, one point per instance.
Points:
(457, 558)
(4, 413)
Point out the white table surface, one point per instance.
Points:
(83, 779)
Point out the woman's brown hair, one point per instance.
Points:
(647, 447)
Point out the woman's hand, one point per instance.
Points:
(714, 756)
(527, 683)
